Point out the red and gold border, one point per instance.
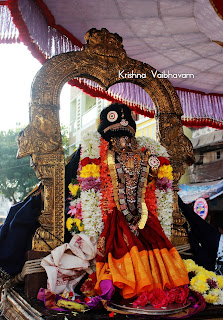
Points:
(51, 22)
(24, 35)
(218, 7)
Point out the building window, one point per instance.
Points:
(218, 154)
(89, 103)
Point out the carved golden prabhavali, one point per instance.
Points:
(101, 60)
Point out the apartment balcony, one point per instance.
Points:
(88, 118)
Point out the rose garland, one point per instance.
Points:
(93, 198)
(205, 282)
(159, 298)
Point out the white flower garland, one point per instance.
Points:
(90, 145)
(165, 209)
(90, 200)
(164, 199)
(147, 142)
(91, 213)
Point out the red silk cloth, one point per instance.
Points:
(136, 264)
(218, 7)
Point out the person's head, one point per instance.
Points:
(116, 120)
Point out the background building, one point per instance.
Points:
(206, 174)
(145, 127)
(208, 152)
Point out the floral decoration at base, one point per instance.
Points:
(205, 282)
(159, 298)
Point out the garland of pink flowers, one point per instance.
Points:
(162, 298)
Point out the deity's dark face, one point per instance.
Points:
(116, 120)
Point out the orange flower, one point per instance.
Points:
(150, 198)
(107, 202)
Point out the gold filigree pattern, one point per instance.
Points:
(101, 247)
(114, 178)
(100, 60)
(144, 215)
(125, 238)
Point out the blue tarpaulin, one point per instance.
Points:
(209, 190)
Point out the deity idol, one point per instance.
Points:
(120, 185)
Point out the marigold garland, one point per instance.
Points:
(74, 225)
(69, 223)
(205, 282)
(150, 198)
(165, 171)
(90, 170)
(73, 189)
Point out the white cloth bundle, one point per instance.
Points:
(68, 263)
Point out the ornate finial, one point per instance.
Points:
(103, 43)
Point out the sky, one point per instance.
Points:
(17, 70)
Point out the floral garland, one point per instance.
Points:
(74, 222)
(146, 142)
(107, 197)
(90, 183)
(163, 189)
(205, 282)
(93, 198)
(86, 195)
(159, 298)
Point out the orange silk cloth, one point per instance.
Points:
(136, 264)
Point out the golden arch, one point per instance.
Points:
(100, 60)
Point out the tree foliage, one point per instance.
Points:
(17, 178)
(65, 140)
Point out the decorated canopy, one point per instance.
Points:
(181, 39)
